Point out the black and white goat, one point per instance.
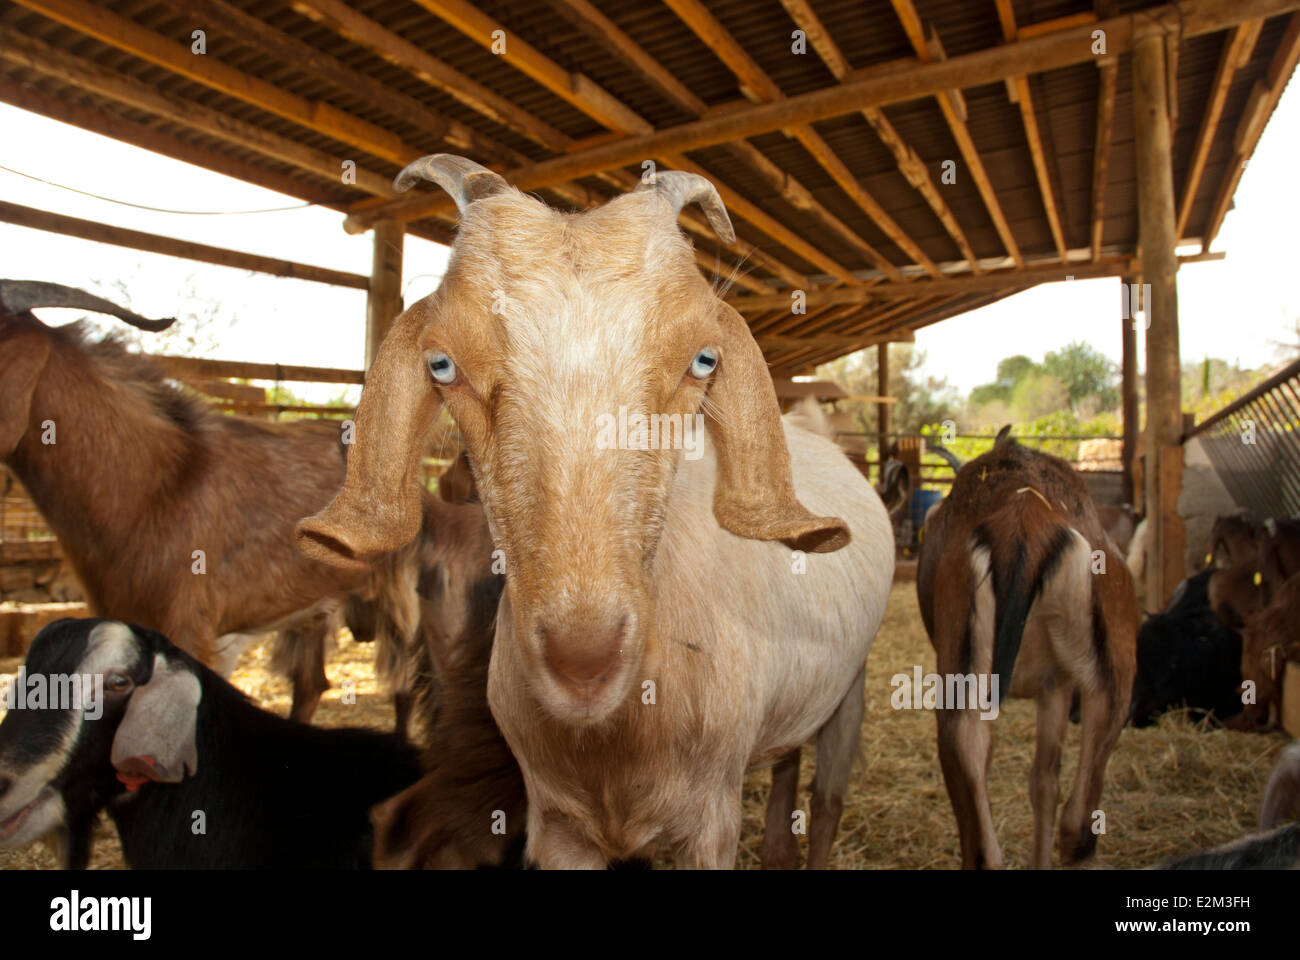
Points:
(192, 773)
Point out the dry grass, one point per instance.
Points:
(1172, 788)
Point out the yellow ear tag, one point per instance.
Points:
(1258, 578)
(1209, 558)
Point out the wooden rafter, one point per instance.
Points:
(1260, 106)
(576, 90)
(1024, 99)
(912, 26)
(604, 31)
(346, 22)
(1229, 63)
(757, 85)
(1051, 51)
(1000, 280)
(36, 55)
(909, 164)
(1108, 76)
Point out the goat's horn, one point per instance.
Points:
(465, 180)
(17, 296)
(680, 188)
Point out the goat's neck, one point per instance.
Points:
(113, 453)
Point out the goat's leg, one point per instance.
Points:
(1045, 774)
(712, 846)
(307, 671)
(837, 746)
(965, 749)
(554, 845)
(1102, 720)
(780, 849)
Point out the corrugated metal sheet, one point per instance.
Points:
(867, 33)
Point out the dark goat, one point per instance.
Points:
(1278, 847)
(176, 747)
(1186, 657)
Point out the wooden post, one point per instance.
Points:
(1129, 380)
(882, 409)
(384, 299)
(1157, 217)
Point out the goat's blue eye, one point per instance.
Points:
(704, 363)
(441, 368)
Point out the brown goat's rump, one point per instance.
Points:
(1173, 788)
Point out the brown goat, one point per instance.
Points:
(139, 478)
(1278, 544)
(1232, 541)
(449, 818)
(1269, 638)
(1015, 572)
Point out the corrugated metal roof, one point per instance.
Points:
(868, 34)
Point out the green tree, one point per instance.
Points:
(1088, 374)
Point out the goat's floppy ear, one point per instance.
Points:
(156, 738)
(25, 357)
(379, 507)
(465, 180)
(754, 494)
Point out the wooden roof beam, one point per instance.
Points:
(758, 86)
(576, 89)
(911, 165)
(32, 53)
(987, 283)
(1108, 76)
(1229, 63)
(607, 33)
(1054, 50)
(128, 36)
(955, 117)
(1024, 99)
(1263, 100)
(581, 93)
(364, 32)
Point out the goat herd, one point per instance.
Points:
(598, 641)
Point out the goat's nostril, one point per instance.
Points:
(5, 784)
(586, 658)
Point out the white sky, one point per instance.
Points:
(1231, 309)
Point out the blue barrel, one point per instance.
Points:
(922, 501)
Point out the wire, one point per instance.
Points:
(141, 206)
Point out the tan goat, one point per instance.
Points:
(655, 639)
(1016, 572)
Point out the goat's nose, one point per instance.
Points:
(585, 658)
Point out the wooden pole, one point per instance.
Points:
(1129, 379)
(1157, 235)
(882, 409)
(384, 299)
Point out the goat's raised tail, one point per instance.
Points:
(1021, 552)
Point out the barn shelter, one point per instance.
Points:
(888, 165)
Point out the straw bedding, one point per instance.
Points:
(1171, 788)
